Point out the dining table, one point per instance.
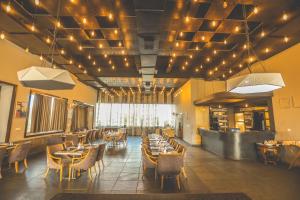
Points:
(158, 144)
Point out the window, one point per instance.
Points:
(83, 116)
(46, 114)
(133, 115)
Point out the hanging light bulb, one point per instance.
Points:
(213, 23)
(225, 42)
(99, 69)
(187, 19)
(41, 57)
(225, 4)
(2, 36)
(255, 10)
(92, 33)
(62, 52)
(89, 57)
(100, 46)
(110, 16)
(37, 2)
(58, 24)
(27, 50)
(48, 40)
(80, 48)
(286, 39)
(262, 34)
(32, 28)
(284, 16)
(234, 55)
(84, 20)
(8, 8)
(85, 71)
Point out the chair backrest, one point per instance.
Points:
(169, 163)
(2, 154)
(68, 143)
(89, 160)
(74, 138)
(101, 152)
(54, 148)
(147, 161)
(20, 152)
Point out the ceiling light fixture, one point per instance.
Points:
(47, 78)
(254, 82)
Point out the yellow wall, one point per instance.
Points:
(13, 59)
(195, 117)
(286, 101)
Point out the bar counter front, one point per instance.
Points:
(234, 144)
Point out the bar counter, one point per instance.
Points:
(234, 144)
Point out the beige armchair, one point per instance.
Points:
(85, 162)
(2, 153)
(54, 162)
(169, 164)
(19, 153)
(100, 155)
(149, 162)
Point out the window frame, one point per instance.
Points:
(44, 133)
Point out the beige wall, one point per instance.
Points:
(13, 59)
(286, 101)
(195, 117)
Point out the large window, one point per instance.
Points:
(133, 115)
(46, 114)
(83, 116)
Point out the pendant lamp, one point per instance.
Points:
(46, 78)
(254, 82)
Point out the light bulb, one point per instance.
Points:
(85, 71)
(214, 23)
(110, 16)
(225, 4)
(267, 50)
(92, 33)
(48, 40)
(2, 36)
(32, 28)
(116, 31)
(99, 69)
(58, 24)
(181, 34)
(187, 19)
(37, 2)
(234, 55)
(284, 16)
(177, 44)
(8, 8)
(100, 46)
(196, 70)
(255, 10)
(286, 39)
(80, 48)
(41, 57)
(84, 20)
(262, 34)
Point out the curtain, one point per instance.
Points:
(82, 117)
(46, 114)
(133, 115)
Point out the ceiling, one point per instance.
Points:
(98, 40)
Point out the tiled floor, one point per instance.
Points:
(122, 174)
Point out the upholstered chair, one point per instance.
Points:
(19, 153)
(100, 155)
(169, 164)
(68, 143)
(85, 162)
(2, 153)
(149, 162)
(54, 162)
(182, 151)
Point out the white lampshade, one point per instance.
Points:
(46, 78)
(255, 83)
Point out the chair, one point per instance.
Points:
(2, 154)
(149, 162)
(19, 153)
(169, 164)
(100, 155)
(68, 143)
(54, 162)
(86, 162)
(73, 138)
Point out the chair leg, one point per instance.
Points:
(155, 178)
(162, 182)
(17, 166)
(0, 173)
(178, 181)
(102, 163)
(61, 174)
(46, 173)
(90, 174)
(70, 171)
(25, 163)
(184, 173)
(99, 166)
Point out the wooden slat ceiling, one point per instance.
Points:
(196, 38)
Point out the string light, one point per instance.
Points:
(37, 2)
(116, 31)
(80, 48)
(237, 29)
(187, 19)
(284, 16)
(27, 50)
(84, 20)
(71, 62)
(255, 10)
(41, 57)
(89, 57)
(79, 66)
(196, 70)
(225, 42)
(183, 67)
(94, 62)
(223, 75)
(48, 40)
(110, 16)
(267, 50)
(181, 34)
(8, 8)
(234, 55)
(99, 69)
(225, 4)
(240, 65)
(223, 62)
(191, 56)
(71, 38)
(105, 55)
(92, 33)
(214, 23)
(85, 71)
(262, 34)
(62, 52)
(215, 52)
(208, 59)
(58, 24)
(2, 36)
(203, 38)
(100, 46)
(286, 39)
(127, 64)
(32, 28)
(119, 44)
(113, 67)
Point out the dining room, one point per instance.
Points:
(146, 100)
